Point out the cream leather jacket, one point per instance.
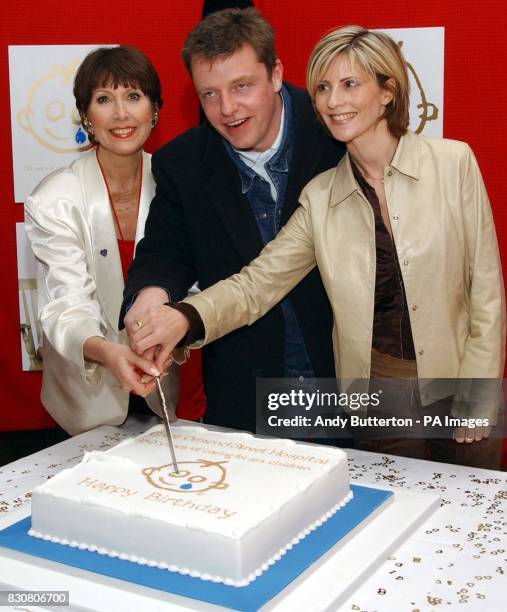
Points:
(80, 286)
(445, 239)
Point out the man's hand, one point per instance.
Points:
(133, 372)
(471, 434)
(147, 298)
(162, 327)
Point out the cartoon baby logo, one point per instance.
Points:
(421, 111)
(194, 476)
(50, 114)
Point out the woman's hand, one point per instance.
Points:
(469, 435)
(133, 372)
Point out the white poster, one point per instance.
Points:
(423, 49)
(29, 329)
(44, 120)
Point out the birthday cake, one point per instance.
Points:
(236, 506)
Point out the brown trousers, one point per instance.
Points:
(484, 454)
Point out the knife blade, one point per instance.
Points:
(167, 426)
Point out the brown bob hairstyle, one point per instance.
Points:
(114, 66)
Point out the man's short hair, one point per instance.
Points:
(223, 33)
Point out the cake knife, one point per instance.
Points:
(166, 423)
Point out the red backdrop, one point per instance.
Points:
(475, 93)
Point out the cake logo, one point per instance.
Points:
(50, 115)
(194, 476)
(421, 111)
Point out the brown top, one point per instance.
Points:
(392, 334)
(196, 326)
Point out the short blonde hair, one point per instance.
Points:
(377, 54)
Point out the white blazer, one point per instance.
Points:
(80, 285)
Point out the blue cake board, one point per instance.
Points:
(248, 598)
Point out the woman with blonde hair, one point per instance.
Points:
(403, 235)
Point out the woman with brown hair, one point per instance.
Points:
(83, 223)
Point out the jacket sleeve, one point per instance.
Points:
(483, 360)
(164, 256)
(68, 310)
(247, 296)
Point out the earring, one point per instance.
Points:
(154, 119)
(87, 125)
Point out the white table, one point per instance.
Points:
(457, 558)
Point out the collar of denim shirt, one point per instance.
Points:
(279, 162)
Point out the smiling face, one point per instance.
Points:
(121, 118)
(240, 100)
(351, 102)
(193, 477)
(49, 114)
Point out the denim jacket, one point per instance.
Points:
(267, 213)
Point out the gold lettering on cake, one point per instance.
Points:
(104, 487)
(214, 446)
(294, 457)
(179, 502)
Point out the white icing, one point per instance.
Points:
(194, 573)
(259, 498)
